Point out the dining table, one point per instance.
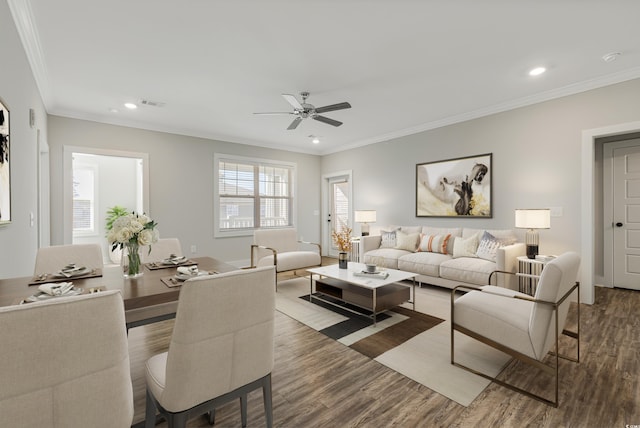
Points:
(151, 297)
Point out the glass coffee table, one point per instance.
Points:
(374, 292)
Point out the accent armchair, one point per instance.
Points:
(221, 348)
(282, 249)
(65, 363)
(522, 326)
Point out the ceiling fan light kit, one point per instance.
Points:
(304, 110)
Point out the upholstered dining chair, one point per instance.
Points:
(282, 249)
(525, 327)
(65, 363)
(52, 259)
(221, 348)
(160, 250)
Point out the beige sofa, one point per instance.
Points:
(446, 257)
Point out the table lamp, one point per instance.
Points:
(532, 220)
(365, 217)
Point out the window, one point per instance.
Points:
(84, 215)
(252, 194)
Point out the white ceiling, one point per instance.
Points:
(405, 65)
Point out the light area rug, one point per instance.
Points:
(425, 358)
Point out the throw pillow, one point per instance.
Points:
(435, 243)
(407, 241)
(489, 244)
(388, 239)
(465, 247)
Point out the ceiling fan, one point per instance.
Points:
(303, 110)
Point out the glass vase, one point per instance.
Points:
(343, 260)
(131, 265)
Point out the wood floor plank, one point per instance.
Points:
(318, 382)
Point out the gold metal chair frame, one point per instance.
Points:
(255, 247)
(554, 371)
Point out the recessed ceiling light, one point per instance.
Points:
(537, 71)
(314, 139)
(114, 110)
(611, 56)
(130, 106)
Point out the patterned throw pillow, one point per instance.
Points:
(435, 243)
(465, 247)
(388, 239)
(407, 241)
(489, 244)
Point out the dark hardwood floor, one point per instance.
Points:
(318, 382)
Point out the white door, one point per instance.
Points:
(338, 209)
(626, 217)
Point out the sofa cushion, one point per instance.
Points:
(489, 245)
(385, 257)
(465, 247)
(407, 241)
(435, 243)
(467, 269)
(423, 263)
(498, 233)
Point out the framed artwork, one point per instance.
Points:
(454, 187)
(5, 172)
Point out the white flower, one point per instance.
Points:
(145, 237)
(133, 227)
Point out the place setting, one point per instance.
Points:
(69, 271)
(172, 261)
(184, 273)
(52, 290)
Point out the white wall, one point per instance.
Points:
(536, 163)
(181, 182)
(18, 91)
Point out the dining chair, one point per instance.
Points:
(65, 363)
(525, 327)
(160, 250)
(52, 259)
(221, 348)
(282, 249)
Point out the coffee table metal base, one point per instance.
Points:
(377, 300)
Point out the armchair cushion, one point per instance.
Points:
(292, 260)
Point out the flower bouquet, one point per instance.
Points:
(129, 232)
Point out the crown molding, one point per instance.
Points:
(23, 19)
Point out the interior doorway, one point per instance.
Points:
(95, 181)
(621, 217)
(337, 203)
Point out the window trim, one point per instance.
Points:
(217, 158)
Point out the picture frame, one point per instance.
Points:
(5, 168)
(458, 187)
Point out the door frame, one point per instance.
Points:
(587, 228)
(326, 204)
(67, 181)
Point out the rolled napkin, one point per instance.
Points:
(56, 289)
(188, 270)
(176, 260)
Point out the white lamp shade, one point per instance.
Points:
(365, 216)
(533, 218)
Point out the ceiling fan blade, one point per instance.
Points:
(295, 123)
(333, 107)
(293, 101)
(276, 113)
(327, 120)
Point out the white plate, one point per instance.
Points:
(184, 277)
(72, 274)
